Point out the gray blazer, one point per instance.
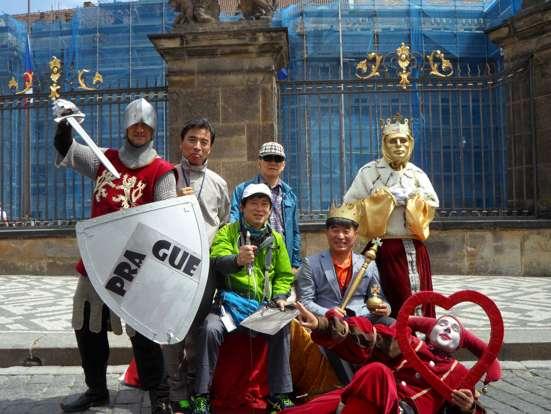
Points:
(318, 289)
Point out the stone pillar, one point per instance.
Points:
(227, 73)
(526, 42)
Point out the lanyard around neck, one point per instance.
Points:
(188, 180)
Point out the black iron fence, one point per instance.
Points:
(462, 139)
(33, 192)
(473, 137)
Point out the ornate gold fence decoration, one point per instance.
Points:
(371, 63)
(55, 74)
(28, 80)
(402, 61)
(55, 65)
(98, 78)
(444, 63)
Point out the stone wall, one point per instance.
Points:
(478, 250)
(227, 73)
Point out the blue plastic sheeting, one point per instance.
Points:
(110, 38)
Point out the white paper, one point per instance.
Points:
(269, 320)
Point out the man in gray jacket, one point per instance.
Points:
(325, 278)
(211, 190)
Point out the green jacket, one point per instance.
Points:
(226, 246)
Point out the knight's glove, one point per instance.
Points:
(63, 109)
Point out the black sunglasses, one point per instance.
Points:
(273, 158)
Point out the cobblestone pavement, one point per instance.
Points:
(41, 304)
(524, 389)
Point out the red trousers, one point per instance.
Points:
(372, 391)
(394, 274)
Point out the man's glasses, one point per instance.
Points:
(273, 158)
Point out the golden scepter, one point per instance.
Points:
(369, 255)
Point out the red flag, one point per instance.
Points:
(28, 75)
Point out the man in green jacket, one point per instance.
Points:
(253, 262)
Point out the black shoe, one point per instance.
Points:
(159, 402)
(84, 401)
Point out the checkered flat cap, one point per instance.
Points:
(271, 148)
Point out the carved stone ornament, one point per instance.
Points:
(257, 9)
(196, 11)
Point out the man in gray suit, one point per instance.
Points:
(324, 278)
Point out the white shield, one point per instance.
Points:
(149, 264)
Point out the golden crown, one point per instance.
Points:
(396, 125)
(348, 211)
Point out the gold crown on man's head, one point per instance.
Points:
(348, 211)
(395, 125)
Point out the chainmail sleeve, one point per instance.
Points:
(165, 187)
(80, 158)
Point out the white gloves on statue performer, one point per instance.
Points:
(400, 194)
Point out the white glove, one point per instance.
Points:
(63, 109)
(400, 194)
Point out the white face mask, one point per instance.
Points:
(446, 334)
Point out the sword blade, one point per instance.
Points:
(90, 142)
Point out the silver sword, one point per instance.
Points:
(91, 144)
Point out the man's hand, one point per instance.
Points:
(246, 254)
(336, 311)
(184, 191)
(382, 310)
(280, 303)
(306, 318)
(464, 399)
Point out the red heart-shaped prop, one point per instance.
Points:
(489, 354)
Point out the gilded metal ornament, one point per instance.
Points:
(98, 78)
(12, 84)
(374, 300)
(55, 74)
(437, 58)
(404, 61)
(82, 83)
(372, 62)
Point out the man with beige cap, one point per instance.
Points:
(271, 163)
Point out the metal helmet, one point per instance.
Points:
(140, 110)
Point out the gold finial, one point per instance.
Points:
(55, 74)
(98, 78)
(404, 60)
(12, 83)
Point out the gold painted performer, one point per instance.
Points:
(399, 203)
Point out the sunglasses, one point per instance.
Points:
(273, 158)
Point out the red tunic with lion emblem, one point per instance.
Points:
(134, 188)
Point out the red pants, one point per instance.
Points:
(393, 271)
(372, 391)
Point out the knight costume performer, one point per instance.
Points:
(144, 177)
(399, 203)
